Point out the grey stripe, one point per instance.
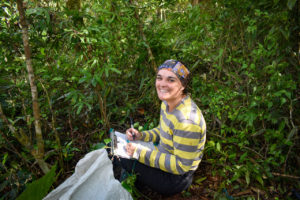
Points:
(166, 135)
(198, 158)
(167, 121)
(201, 148)
(147, 158)
(180, 171)
(193, 115)
(156, 161)
(186, 148)
(143, 135)
(162, 149)
(157, 131)
(201, 155)
(186, 161)
(190, 161)
(166, 147)
(150, 136)
(193, 111)
(187, 134)
(178, 114)
(188, 121)
(168, 163)
(203, 137)
(202, 122)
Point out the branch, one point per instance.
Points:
(285, 175)
(39, 153)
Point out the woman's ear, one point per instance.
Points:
(182, 88)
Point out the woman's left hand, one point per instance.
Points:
(130, 148)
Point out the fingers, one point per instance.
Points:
(133, 134)
(129, 134)
(130, 148)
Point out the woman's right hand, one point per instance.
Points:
(130, 132)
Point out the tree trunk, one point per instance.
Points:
(39, 153)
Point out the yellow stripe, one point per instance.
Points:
(186, 108)
(201, 144)
(166, 141)
(154, 135)
(142, 155)
(173, 165)
(152, 158)
(198, 116)
(182, 126)
(163, 106)
(147, 136)
(164, 127)
(161, 161)
(188, 127)
(187, 155)
(186, 141)
(196, 162)
(203, 127)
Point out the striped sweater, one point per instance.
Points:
(181, 135)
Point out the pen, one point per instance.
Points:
(131, 125)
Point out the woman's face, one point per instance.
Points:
(168, 86)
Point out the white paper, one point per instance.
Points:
(122, 141)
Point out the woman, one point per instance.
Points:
(168, 168)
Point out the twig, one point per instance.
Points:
(53, 124)
(286, 175)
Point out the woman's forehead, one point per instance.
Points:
(167, 73)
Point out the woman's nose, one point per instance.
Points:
(163, 83)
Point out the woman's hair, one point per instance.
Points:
(185, 84)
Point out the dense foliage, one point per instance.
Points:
(94, 64)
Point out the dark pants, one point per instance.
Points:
(162, 182)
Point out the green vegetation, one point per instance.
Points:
(90, 64)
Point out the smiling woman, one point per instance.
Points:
(181, 134)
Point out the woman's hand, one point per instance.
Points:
(130, 132)
(130, 148)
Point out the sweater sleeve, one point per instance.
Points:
(150, 135)
(188, 144)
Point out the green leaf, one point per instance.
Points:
(136, 124)
(242, 158)
(43, 51)
(57, 78)
(79, 108)
(218, 146)
(260, 180)
(4, 158)
(99, 146)
(115, 70)
(39, 188)
(199, 180)
(81, 80)
(247, 177)
(107, 140)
